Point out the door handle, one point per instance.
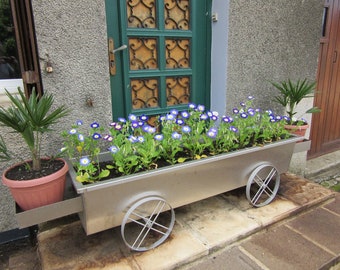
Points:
(112, 58)
(123, 47)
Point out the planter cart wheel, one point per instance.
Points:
(263, 184)
(147, 223)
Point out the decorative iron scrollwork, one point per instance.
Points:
(141, 13)
(143, 53)
(177, 90)
(177, 53)
(177, 14)
(144, 93)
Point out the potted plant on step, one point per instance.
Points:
(291, 94)
(38, 181)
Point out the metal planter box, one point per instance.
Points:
(125, 200)
(105, 202)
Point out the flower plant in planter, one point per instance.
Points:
(291, 94)
(176, 137)
(32, 118)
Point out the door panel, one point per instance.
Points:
(325, 132)
(166, 63)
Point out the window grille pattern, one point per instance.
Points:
(178, 90)
(141, 13)
(176, 14)
(144, 93)
(177, 53)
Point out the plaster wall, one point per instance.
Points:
(271, 41)
(72, 36)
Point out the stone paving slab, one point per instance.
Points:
(232, 258)
(180, 248)
(302, 191)
(26, 259)
(282, 248)
(321, 227)
(334, 206)
(68, 247)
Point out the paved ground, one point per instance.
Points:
(309, 241)
(296, 231)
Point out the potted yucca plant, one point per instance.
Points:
(291, 94)
(31, 118)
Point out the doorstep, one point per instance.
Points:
(324, 163)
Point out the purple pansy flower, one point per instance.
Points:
(84, 161)
(186, 129)
(113, 149)
(158, 137)
(185, 114)
(175, 135)
(72, 131)
(233, 129)
(96, 136)
(81, 137)
(94, 125)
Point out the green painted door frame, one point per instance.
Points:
(200, 52)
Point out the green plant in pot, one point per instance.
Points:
(29, 181)
(291, 94)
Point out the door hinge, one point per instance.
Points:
(30, 77)
(335, 56)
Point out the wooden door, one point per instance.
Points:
(325, 132)
(164, 58)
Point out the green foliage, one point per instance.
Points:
(4, 153)
(177, 137)
(291, 95)
(31, 118)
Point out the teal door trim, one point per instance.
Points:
(199, 70)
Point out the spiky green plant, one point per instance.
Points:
(4, 153)
(31, 118)
(292, 93)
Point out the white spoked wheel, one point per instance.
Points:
(147, 223)
(263, 184)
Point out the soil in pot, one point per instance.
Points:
(21, 172)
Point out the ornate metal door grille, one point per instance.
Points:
(164, 49)
(161, 54)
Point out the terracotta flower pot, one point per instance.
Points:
(30, 194)
(297, 130)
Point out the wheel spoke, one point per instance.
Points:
(151, 228)
(148, 224)
(262, 192)
(263, 186)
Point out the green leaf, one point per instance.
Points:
(313, 110)
(181, 159)
(83, 178)
(104, 173)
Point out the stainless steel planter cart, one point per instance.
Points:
(143, 204)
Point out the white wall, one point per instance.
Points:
(219, 57)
